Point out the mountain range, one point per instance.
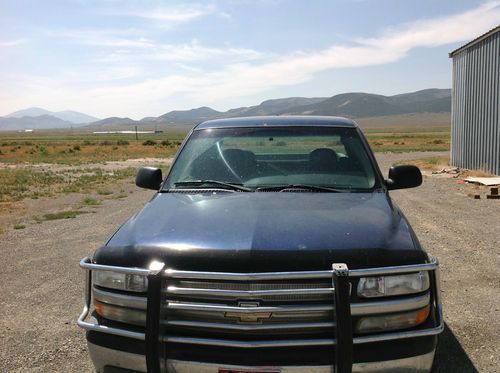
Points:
(352, 105)
(67, 115)
(38, 118)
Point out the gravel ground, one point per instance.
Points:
(464, 234)
(42, 289)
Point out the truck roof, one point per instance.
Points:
(278, 120)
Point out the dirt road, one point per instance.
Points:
(42, 286)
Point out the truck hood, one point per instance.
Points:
(264, 231)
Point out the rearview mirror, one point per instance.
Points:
(405, 176)
(149, 178)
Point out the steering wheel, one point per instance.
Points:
(221, 154)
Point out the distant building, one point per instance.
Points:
(122, 132)
(475, 108)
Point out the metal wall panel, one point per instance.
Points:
(475, 113)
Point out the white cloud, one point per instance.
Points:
(245, 79)
(195, 52)
(120, 43)
(169, 14)
(91, 75)
(440, 31)
(234, 72)
(13, 43)
(123, 44)
(225, 15)
(175, 15)
(192, 52)
(109, 38)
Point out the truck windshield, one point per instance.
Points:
(267, 157)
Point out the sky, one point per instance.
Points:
(138, 58)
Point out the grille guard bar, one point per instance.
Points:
(339, 274)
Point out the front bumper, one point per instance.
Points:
(343, 345)
(105, 358)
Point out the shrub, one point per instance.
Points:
(62, 215)
(77, 148)
(44, 150)
(91, 201)
(149, 143)
(166, 143)
(104, 192)
(122, 142)
(433, 160)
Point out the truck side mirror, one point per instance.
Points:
(405, 176)
(149, 178)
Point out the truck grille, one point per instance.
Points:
(249, 309)
(285, 311)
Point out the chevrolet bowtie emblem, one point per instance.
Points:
(250, 317)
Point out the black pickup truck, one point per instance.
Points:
(272, 245)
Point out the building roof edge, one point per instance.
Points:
(474, 41)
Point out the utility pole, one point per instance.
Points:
(136, 137)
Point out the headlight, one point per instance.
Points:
(380, 286)
(121, 314)
(120, 281)
(392, 321)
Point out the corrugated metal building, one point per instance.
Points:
(475, 112)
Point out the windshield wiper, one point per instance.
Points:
(315, 188)
(232, 186)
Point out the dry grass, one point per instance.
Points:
(70, 214)
(409, 142)
(80, 149)
(91, 201)
(27, 182)
(475, 173)
(429, 163)
(440, 163)
(407, 122)
(18, 183)
(85, 148)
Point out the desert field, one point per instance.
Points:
(33, 165)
